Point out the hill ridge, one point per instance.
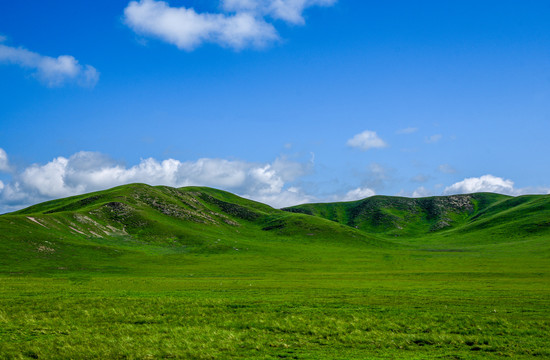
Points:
(401, 216)
(159, 219)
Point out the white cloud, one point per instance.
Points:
(89, 171)
(434, 138)
(242, 25)
(286, 10)
(187, 29)
(49, 70)
(485, 183)
(533, 190)
(417, 193)
(4, 163)
(421, 192)
(287, 197)
(446, 169)
(290, 170)
(490, 183)
(358, 194)
(366, 140)
(408, 130)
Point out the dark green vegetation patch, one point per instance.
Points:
(141, 272)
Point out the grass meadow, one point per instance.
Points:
(301, 301)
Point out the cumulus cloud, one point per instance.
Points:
(421, 192)
(187, 29)
(51, 71)
(358, 194)
(366, 140)
(287, 197)
(290, 170)
(485, 183)
(243, 24)
(89, 171)
(490, 183)
(4, 164)
(287, 10)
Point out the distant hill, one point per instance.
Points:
(456, 214)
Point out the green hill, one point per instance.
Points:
(439, 216)
(97, 228)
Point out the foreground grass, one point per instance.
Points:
(302, 301)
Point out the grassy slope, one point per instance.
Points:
(403, 216)
(251, 282)
(75, 232)
(482, 216)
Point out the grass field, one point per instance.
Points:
(278, 286)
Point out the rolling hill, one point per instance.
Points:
(101, 226)
(479, 214)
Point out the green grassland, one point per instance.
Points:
(141, 272)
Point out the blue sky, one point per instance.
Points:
(280, 101)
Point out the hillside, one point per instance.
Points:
(456, 214)
(162, 214)
(100, 226)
